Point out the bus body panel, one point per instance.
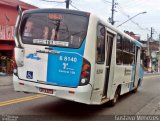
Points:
(61, 69)
(122, 77)
(89, 54)
(63, 73)
(34, 64)
(81, 94)
(137, 77)
(110, 91)
(64, 68)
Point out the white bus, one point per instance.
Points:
(74, 55)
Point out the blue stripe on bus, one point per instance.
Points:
(141, 74)
(131, 86)
(138, 44)
(64, 69)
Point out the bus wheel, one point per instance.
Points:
(116, 95)
(135, 90)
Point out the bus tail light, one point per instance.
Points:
(15, 70)
(19, 56)
(85, 73)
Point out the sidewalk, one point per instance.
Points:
(6, 80)
(152, 108)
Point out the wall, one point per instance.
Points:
(7, 21)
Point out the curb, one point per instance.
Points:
(151, 74)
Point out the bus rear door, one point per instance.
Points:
(103, 60)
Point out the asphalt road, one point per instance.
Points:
(17, 103)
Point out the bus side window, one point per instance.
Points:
(119, 50)
(100, 49)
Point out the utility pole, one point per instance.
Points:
(151, 38)
(67, 4)
(111, 19)
(150, 50)
(159, 56)
(159, 42)
(149, 64)
(151, 33)
(113, 10)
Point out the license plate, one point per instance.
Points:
(48, 91)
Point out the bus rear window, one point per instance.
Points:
(54, 29)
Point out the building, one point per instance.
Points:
(151, 53)
(8, 18)
(133, 35)
(152, 49)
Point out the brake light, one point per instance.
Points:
(85, 73)
(15, 71)
(14, 65)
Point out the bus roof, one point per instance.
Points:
(67, 11)
(139, 44)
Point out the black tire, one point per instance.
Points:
(135, 90)
(116, 96)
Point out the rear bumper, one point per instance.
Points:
(82, 93)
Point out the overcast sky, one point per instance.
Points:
(140, 25)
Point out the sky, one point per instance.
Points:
(125, 9)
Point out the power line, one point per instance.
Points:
(133, 4)
(68, 2)
(58, 4)
(53, 1)
(76, 3)
(128, 16)
(74, 6)
(80, 4)
(105, 1)
(121, 10)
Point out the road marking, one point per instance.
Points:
(151, 76)
(8, 102)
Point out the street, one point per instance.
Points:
(18, 103)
